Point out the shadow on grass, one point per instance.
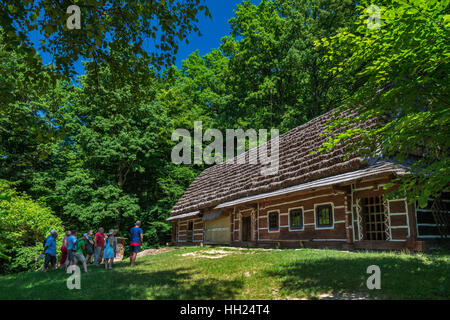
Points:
(120, 283)
(176, 284)
(401, 278)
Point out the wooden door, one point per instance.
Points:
(218, 231)
(246, 228)
(190, 232)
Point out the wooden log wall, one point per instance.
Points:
(182, 230)
(308, 204)
(345, 231)
(400, 215)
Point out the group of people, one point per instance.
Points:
(100, 249)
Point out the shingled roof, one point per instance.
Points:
(227, 181)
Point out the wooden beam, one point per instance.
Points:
(346, 189)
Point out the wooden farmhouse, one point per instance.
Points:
(315, 200)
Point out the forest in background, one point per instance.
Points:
(96, 151)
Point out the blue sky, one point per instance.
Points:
(212, 31)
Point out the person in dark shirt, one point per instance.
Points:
(90, 247)
(136, 238)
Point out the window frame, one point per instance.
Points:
(316, 220)
(302, 216)
(278, 221)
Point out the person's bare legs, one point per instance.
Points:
(132, 258)
(74, 262)
(84, 266)
(67, 264)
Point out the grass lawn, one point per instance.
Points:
(218, 273)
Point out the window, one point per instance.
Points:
(374, 218)
(273, 221)
(324, 216)
(296, 218)
(190, 225)
(428, 217)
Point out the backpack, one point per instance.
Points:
(75, 246)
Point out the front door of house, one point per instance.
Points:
(246, 228)
(190, 232)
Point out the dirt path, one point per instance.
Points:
(153, 251)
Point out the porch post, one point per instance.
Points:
(348, 218)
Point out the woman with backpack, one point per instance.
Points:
(89, 247)
(80, 249)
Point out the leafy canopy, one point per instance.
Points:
(404, 68)
(102, 22)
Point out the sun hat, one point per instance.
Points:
(85, 235)
(111, 231)
(53, 231)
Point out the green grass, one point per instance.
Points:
(246, 274)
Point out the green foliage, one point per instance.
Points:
(111, 162)
(403, 67)
(156, 232)
(24, 224)
(277, 77)
(25, 259)
(23, 133)
(102, 23)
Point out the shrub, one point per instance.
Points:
(156, 233)
(24, 225)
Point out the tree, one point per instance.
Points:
(111, 164)
(112, 125)
(403, 66)
(276, 75)
(24, 128)
(102, 22)
(28, 90)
